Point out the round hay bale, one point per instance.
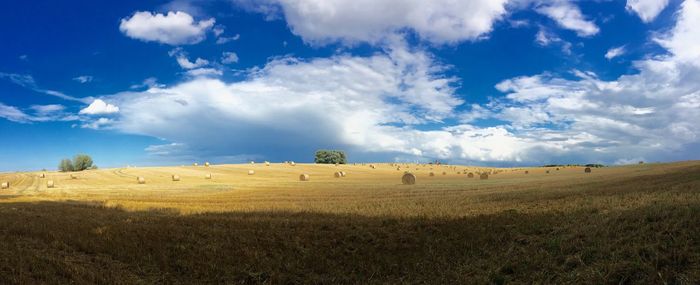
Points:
(267, 163)
(42, 175)
(557, 168)
(49, 184)
(207, 176)
(141, 180)
(470, 175)
(444, 173)
(342, 173)
(304, 177)
(292, 163)
(337, 174)
(587, 170)
(206, 164)
(484, 176)
(73, 176)
(251, 172)
(459, 172)
(372, 166)
(252, 162)
(431, 174)
(195, 164)
(408, 179)
(527, 172)
(547, 171)
(176, 177)
(5, 185)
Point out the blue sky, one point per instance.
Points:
(487, 82)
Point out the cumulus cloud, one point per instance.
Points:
(399, 103)
(568, 16)
(185, 63)
(173, 28)
(99, 107)
(615, 52)
(647, 10)
(352, 21)
(229, 57)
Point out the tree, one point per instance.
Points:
(330, 157)
(65, 165)
(82, 162)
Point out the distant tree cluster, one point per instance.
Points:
(330, 157)
(80, 162)
(586, 165)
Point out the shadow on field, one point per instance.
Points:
(52, 242)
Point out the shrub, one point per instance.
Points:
(82, 162)
(330, 157)
(65, 165)
(79, 163)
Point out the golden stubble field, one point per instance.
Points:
(366, 191)
(634, 224)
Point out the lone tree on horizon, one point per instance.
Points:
(80, 162)
(330, 157)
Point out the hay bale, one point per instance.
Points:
(444, 173)
(252, 162)
(42, 175)
(431, 174)
(372, 166)
(267, 163)
(5, 185)
(49, 184)
(470, 175)
(484, 176)
(292, 163)
(557, 168)
(195, 164)
(141, 180)
(587, 170)
(337, 174)
(207, 176)
(206, 164)
(304, 177)
(176, 177)
(527, 172)
(547, 171)
(73, 176)
(342, 173)
(408, 179)
(251, 172)
(459, 172)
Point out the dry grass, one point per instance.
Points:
(634, 224)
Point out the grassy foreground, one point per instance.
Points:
(629, 225)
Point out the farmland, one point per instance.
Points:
(630, 224)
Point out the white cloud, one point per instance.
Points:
(99, 107)
(13, 114)
(229, 57)
(647, 10)
(187, 64)
(83, 78)
(547, 38)
(352, 21)
(47, 109)
(396, 103)
(615, 52)
(204, 72)
(173, 28)
(97, 124)
(568, 16)
(148, 82)
(27, 81)
(223, 40)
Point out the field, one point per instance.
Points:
(622, 225)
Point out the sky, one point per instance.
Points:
(480, 82)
